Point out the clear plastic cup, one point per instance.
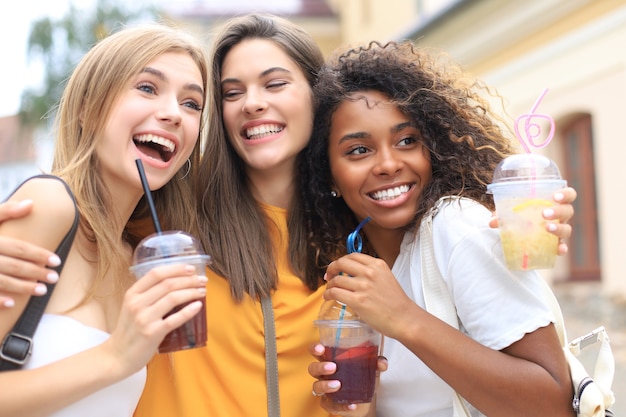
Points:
(175, 247)
(522, 187)
(354, 347)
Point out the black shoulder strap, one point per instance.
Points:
(17, 344)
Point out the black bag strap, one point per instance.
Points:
(17, 344)
(271, 358)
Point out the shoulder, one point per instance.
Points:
(52, 216)
(459, 216)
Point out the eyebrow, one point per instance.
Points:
(163, 77)
(363, 135)
(263, 74)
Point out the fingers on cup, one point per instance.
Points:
(178, 318)
(325, 387)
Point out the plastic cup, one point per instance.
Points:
(522, 187)
(175, 247)
(354, 347)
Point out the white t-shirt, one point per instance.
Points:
(496, 306)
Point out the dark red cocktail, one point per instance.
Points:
(191, 334)
(356, 369)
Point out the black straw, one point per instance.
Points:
(148, 194)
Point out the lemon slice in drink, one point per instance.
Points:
(536, 203)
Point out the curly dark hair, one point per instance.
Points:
(465, 138)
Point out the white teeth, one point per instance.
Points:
(166, 143)
(391, 193)
(258, 132)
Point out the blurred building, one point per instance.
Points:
(575, 49)
(17, 154)
(205, 17)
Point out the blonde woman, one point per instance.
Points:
(137, 94)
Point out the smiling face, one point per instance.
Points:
(267, 106)
(377, 159)
(157, 119)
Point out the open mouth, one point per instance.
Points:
(155, 147)
(262, 131)
(390, 193)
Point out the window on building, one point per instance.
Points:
(584, 253)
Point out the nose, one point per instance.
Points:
(253, 103)
(387, 162)
(170, 112)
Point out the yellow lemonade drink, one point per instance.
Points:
(522, 188)
(525, 241)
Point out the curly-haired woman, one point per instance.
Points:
(397, 129)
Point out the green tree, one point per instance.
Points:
(60, 44)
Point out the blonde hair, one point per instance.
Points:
(83, 111)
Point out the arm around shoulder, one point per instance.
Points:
(50, 220)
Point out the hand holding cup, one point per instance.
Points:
(171, 248)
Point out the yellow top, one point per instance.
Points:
(227, 377)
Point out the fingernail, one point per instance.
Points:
(334, 384)
(552, 227)
(325, 277)
(202, 290)
(54, 260)
(351, 406)
(203, 279)
(330, 366)
(548, 213)
(25, 203)
(52, 277)
(41, 289)
(190, 268)
(319, 349)
(559, 196)
(9, 303)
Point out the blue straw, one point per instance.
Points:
(354, 244)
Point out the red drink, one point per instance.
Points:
(190, 335)
(167, 248)
(356, 369)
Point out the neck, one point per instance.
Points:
(124, 199)
(275, 187)
(385, 242)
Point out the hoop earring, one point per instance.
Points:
(188, 169)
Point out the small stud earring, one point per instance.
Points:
(334, 193)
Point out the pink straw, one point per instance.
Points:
(532, 129)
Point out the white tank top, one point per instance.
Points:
(58, 337)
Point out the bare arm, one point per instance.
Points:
(22, 264)
(530, 377)
(140, 329)
(141, 325)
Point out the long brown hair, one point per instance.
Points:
(235, 228)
